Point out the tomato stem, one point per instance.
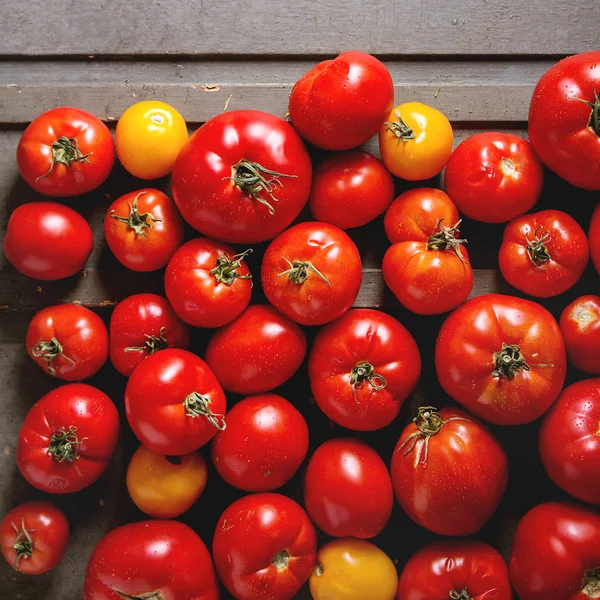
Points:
(463, 595)
(400, 129)
(197, 405)
(48, 351)
(23, 545)
(136, 221)
(225, 269)
(591, 583)
(509, 361)
(300, 270)
(536, 248)
(157, 595)
(281, 559)
(365, 371)
(66, 151)
(594, 121)
(64, 445)
(153, 343)
(446, 238)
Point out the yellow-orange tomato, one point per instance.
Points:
(416, 141)
(352, 569)
(165, 487)
(149, 137)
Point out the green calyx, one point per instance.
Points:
(156, 595)
(537, 249)
(48, 351)
(225, 270)
(136, 221)
(64, 445)
(65, 151)
(594, 122)
(509, 361)
(365, 371)
(299, 270)
(591, 583)
(23, 545)
(446, 238)
(400, 129)
(197, 405)
(153, 343)
(462, 595)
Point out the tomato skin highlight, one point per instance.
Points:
(580, 326)
(594, 237)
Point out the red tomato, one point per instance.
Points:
(594, 236)
(243, 177)
(580, 326)
(312, 273)
(208, 283)
(438, 457)
(348, 490)
(174, 403)
(350, 189)
(47, 241)
(502, 358)
(34, 537)
(141, 325)
(156, 560)
(65, 152)
(564, 119)
(143, 229)
(556, 553)
(362, 367)
(543, 254)
(68, 341)
(265, 443)
(67, 439)
(265, 547)
(257, 352)
(340, 103)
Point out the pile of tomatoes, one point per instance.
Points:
(242, 179)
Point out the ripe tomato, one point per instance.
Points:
(264, 547)
(564, 119)
(67, 439)
(439, 456)
(143, 229)
(502, 358)
(348, 490)
(460, 570)
(150, 135)
(543, 254)
(556, 553)
(65, 152)
(494, 177)
(243, 177)
(350, 569)
(580, 326)
(68, 341)
(47, 241)
(34, 537)
(257, 352)
(312, 273)
(362, 367)
(415, 141)
(350, 189)
(340, 103)
(208, 283)
(594, 236)
(156, 560)
(265, 443)
(174, 403)
(141, 325)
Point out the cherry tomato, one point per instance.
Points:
(594, 236)
(348, 490)
(265, 443)
(65, 152)
(67, 439)
(47, 241)
(362, 367)
(339, 104)
(312, 273)
(502, 358)
(580, 326)
(243, 177)
(264, 547)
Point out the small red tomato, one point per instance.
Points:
(34, 537)
(312, 273)
(208, 283)
(263, 446)
(594, 236)
(257, 352)
(494, 177)
(143, 229)
(68, 341)
(265, 547)
(580, 326)
(543, 254)
(47, 241)
(350, 189)
(141, 325)
(65, 152)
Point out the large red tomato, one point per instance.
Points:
(580, 326)
(594, 235)
(243, 177)
(449, 472)
(564, 119)
(265, 547)
(340, 103)
(362, 367)
(174, 403)
(502, 358)
(312, 273)
(348, 490)
(153, 560)
(556, 553)
(67, 439)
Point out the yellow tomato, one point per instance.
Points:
(416, 141)
(149, 137)
(351, 569)
(165, 487)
